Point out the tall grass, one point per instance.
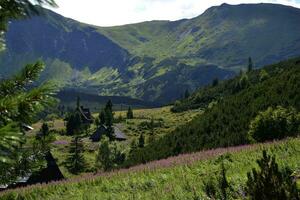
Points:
(178, 177)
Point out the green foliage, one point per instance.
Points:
(102, 117)
(250, 64)
(227, 122)
(215, 82)
(75, 161)
(186, 93)
(270, 182)
(74, 123)
(163, 56)
(109, 155)
(141, 141)
(218, 187)
(109, 119)
(263, 75)
(182, 177)
(45, 129)
(129, 113)
(275, 123)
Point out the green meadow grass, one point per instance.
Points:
(179, 177)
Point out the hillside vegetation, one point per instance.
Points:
(157, 60)
(182, 177)
(226, 122)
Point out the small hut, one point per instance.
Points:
(86, 115)
(46, 175)
(102, 130)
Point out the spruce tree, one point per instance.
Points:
(102, 117)
(186, 93)
(141, 141)
(109, 118)
(74, 123)
(215, 82)
(75, 161)
(129, 113)
(250, 64)
(103, 159)
(109, 155)
(45, 130)
(269, 182)
(19, 101)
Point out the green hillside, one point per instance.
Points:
(226, 121)
(182, 177)
(157, 60)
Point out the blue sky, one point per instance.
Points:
(119, 12)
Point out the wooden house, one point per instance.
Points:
(86, 115)
(102, 130)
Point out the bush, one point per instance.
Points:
(274, 124)
(270, 182)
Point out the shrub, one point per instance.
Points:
(270, 182)
(274, 124)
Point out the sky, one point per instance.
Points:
(120, 12)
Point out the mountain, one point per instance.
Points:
(156, 60)
(226, 121)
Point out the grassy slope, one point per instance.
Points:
(227, 122)
(175, 178)
(167, 121)
(162, 55)
(204, 96)
(223, 35)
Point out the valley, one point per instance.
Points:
(201, 108)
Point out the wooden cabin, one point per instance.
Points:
(102, 130)
(86, 115)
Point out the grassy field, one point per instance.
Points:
(179, 177)
(164, 121)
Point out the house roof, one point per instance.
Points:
(48, 174)
(27, 127)
(96, 136)
(86, 114)
(119, 134)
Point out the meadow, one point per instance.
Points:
(164, 120)
(180, 177)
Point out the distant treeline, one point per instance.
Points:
(69, 96)
(229, 109)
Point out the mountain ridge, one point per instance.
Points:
(156, 60)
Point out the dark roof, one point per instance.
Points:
(46, 175)
(96, 136)
(86, 114)
(119, 134)
(26, 127)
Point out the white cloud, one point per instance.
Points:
(118, 12)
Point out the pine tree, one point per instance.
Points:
(250, 64)
(141, 141)
(74, 123)
(129, 113)
(215, 82)
(75, 161)
(270, 182)
(102, 117)
(109, 118)
(186, 93)
(45, 129)
(19, 101)
(109, 155)
(78, 103)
